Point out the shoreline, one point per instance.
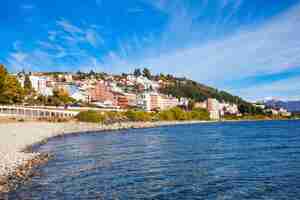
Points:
(17, 139)
(18, 161)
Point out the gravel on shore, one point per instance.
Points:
(16, 137)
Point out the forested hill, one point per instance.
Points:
(181, 87)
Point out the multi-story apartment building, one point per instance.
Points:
(131, 98)
(144, 101)
(101, 93)
(213, 107)
(40, 85)
(166, 102)
(155, 101)
(125, 100)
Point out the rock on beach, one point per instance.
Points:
(16, 137)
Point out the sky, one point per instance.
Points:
(250, 48)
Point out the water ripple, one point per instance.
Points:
(246, 160)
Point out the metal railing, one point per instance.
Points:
(32, 112)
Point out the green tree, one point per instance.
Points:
(90, 116)
(92, 73)
(61, 97)
(11, 91)
(147, 73)
(199, 114)
(28, 85)
(137, 72)
(3, 74)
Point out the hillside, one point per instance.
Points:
(199, 92)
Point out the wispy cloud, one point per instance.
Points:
(78, 34)
(213, 42)
(269, 48)
(52, 35)
(287, 89)
(64, 47)
(93, 38)
(68, 27)
(19, 56)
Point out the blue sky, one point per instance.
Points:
(250, 48)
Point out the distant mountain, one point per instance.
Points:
(291, 106)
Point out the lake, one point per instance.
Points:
(230, 160)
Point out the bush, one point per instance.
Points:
(199, 114)
(113, 116)
(181, 115)
(166, 115)
(136, 115)
(90, 116)
(172, 114)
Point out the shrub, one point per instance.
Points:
(178, 113)
(113, 116)
(166, 115)
(136, 115)
(130, 115)
(181, 115)
(199, 114)
(90, 116)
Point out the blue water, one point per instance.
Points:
(240, 160)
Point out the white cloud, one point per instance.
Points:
(74, 35)
(93, 38)
(17, 61)
(19, 56)
(64, 48)
(52, 35)
(284, 89)
(270, 48)
(68, 27)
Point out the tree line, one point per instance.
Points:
(11, 91)
(173, 114)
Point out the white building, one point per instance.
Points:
(213, 107)
(48, 91)
(80, 96)
(115, 88)
(148, 84)
(144, 101)
(38, 83)
(155, 101)
(227, 108)
(77, 94)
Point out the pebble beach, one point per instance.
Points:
(15, 138)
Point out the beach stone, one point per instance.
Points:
(17, 139)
